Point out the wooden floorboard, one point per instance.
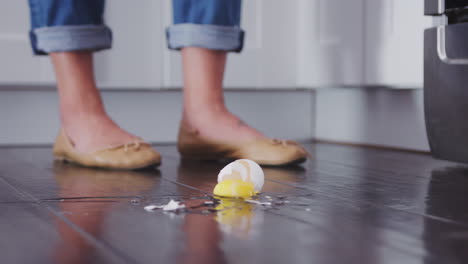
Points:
(347, 205)
(32, 233)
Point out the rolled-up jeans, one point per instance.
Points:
(77, 25)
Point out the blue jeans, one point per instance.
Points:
(72, 25)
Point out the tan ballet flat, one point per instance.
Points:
(264, 151)
(130, 156)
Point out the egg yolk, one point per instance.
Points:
(234, 188)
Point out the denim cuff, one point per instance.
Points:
(70, 38)
(212, 37)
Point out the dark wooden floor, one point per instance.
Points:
(347, 205)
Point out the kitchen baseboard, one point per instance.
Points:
(29, 116)
(378, 117)
(373, 117)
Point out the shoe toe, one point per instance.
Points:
(128, 157)
(275, 152)
(148, 156)
(144, 157)
(293, 154)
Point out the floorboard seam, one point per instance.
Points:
(12, 187)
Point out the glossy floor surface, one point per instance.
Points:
(346, 205)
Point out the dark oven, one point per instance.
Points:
(446, 79)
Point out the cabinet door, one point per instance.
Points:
(136, 57)
(269, 58)
(331, 43)
(17, 64)
(394, 42)
(135, 60)
(139, 57)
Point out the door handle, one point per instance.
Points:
(442, 50)
(441, 6)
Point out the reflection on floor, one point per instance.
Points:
(346, 205)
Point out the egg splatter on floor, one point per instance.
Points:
(346, 205)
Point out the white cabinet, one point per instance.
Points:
(17, 64)
(289, 43)
(330, 42)
(394, 42)
(361, 42)
(269, 57)
(134, 61)
(139, 57)
(136, 57)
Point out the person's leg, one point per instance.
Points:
(81, 109)
(204, 107)
(69, 31)
(205, 30)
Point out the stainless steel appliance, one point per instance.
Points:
(446, 79)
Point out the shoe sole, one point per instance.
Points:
(226, 160)
(66, 160)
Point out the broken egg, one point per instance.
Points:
(241, 178)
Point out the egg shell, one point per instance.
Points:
(245, 170)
